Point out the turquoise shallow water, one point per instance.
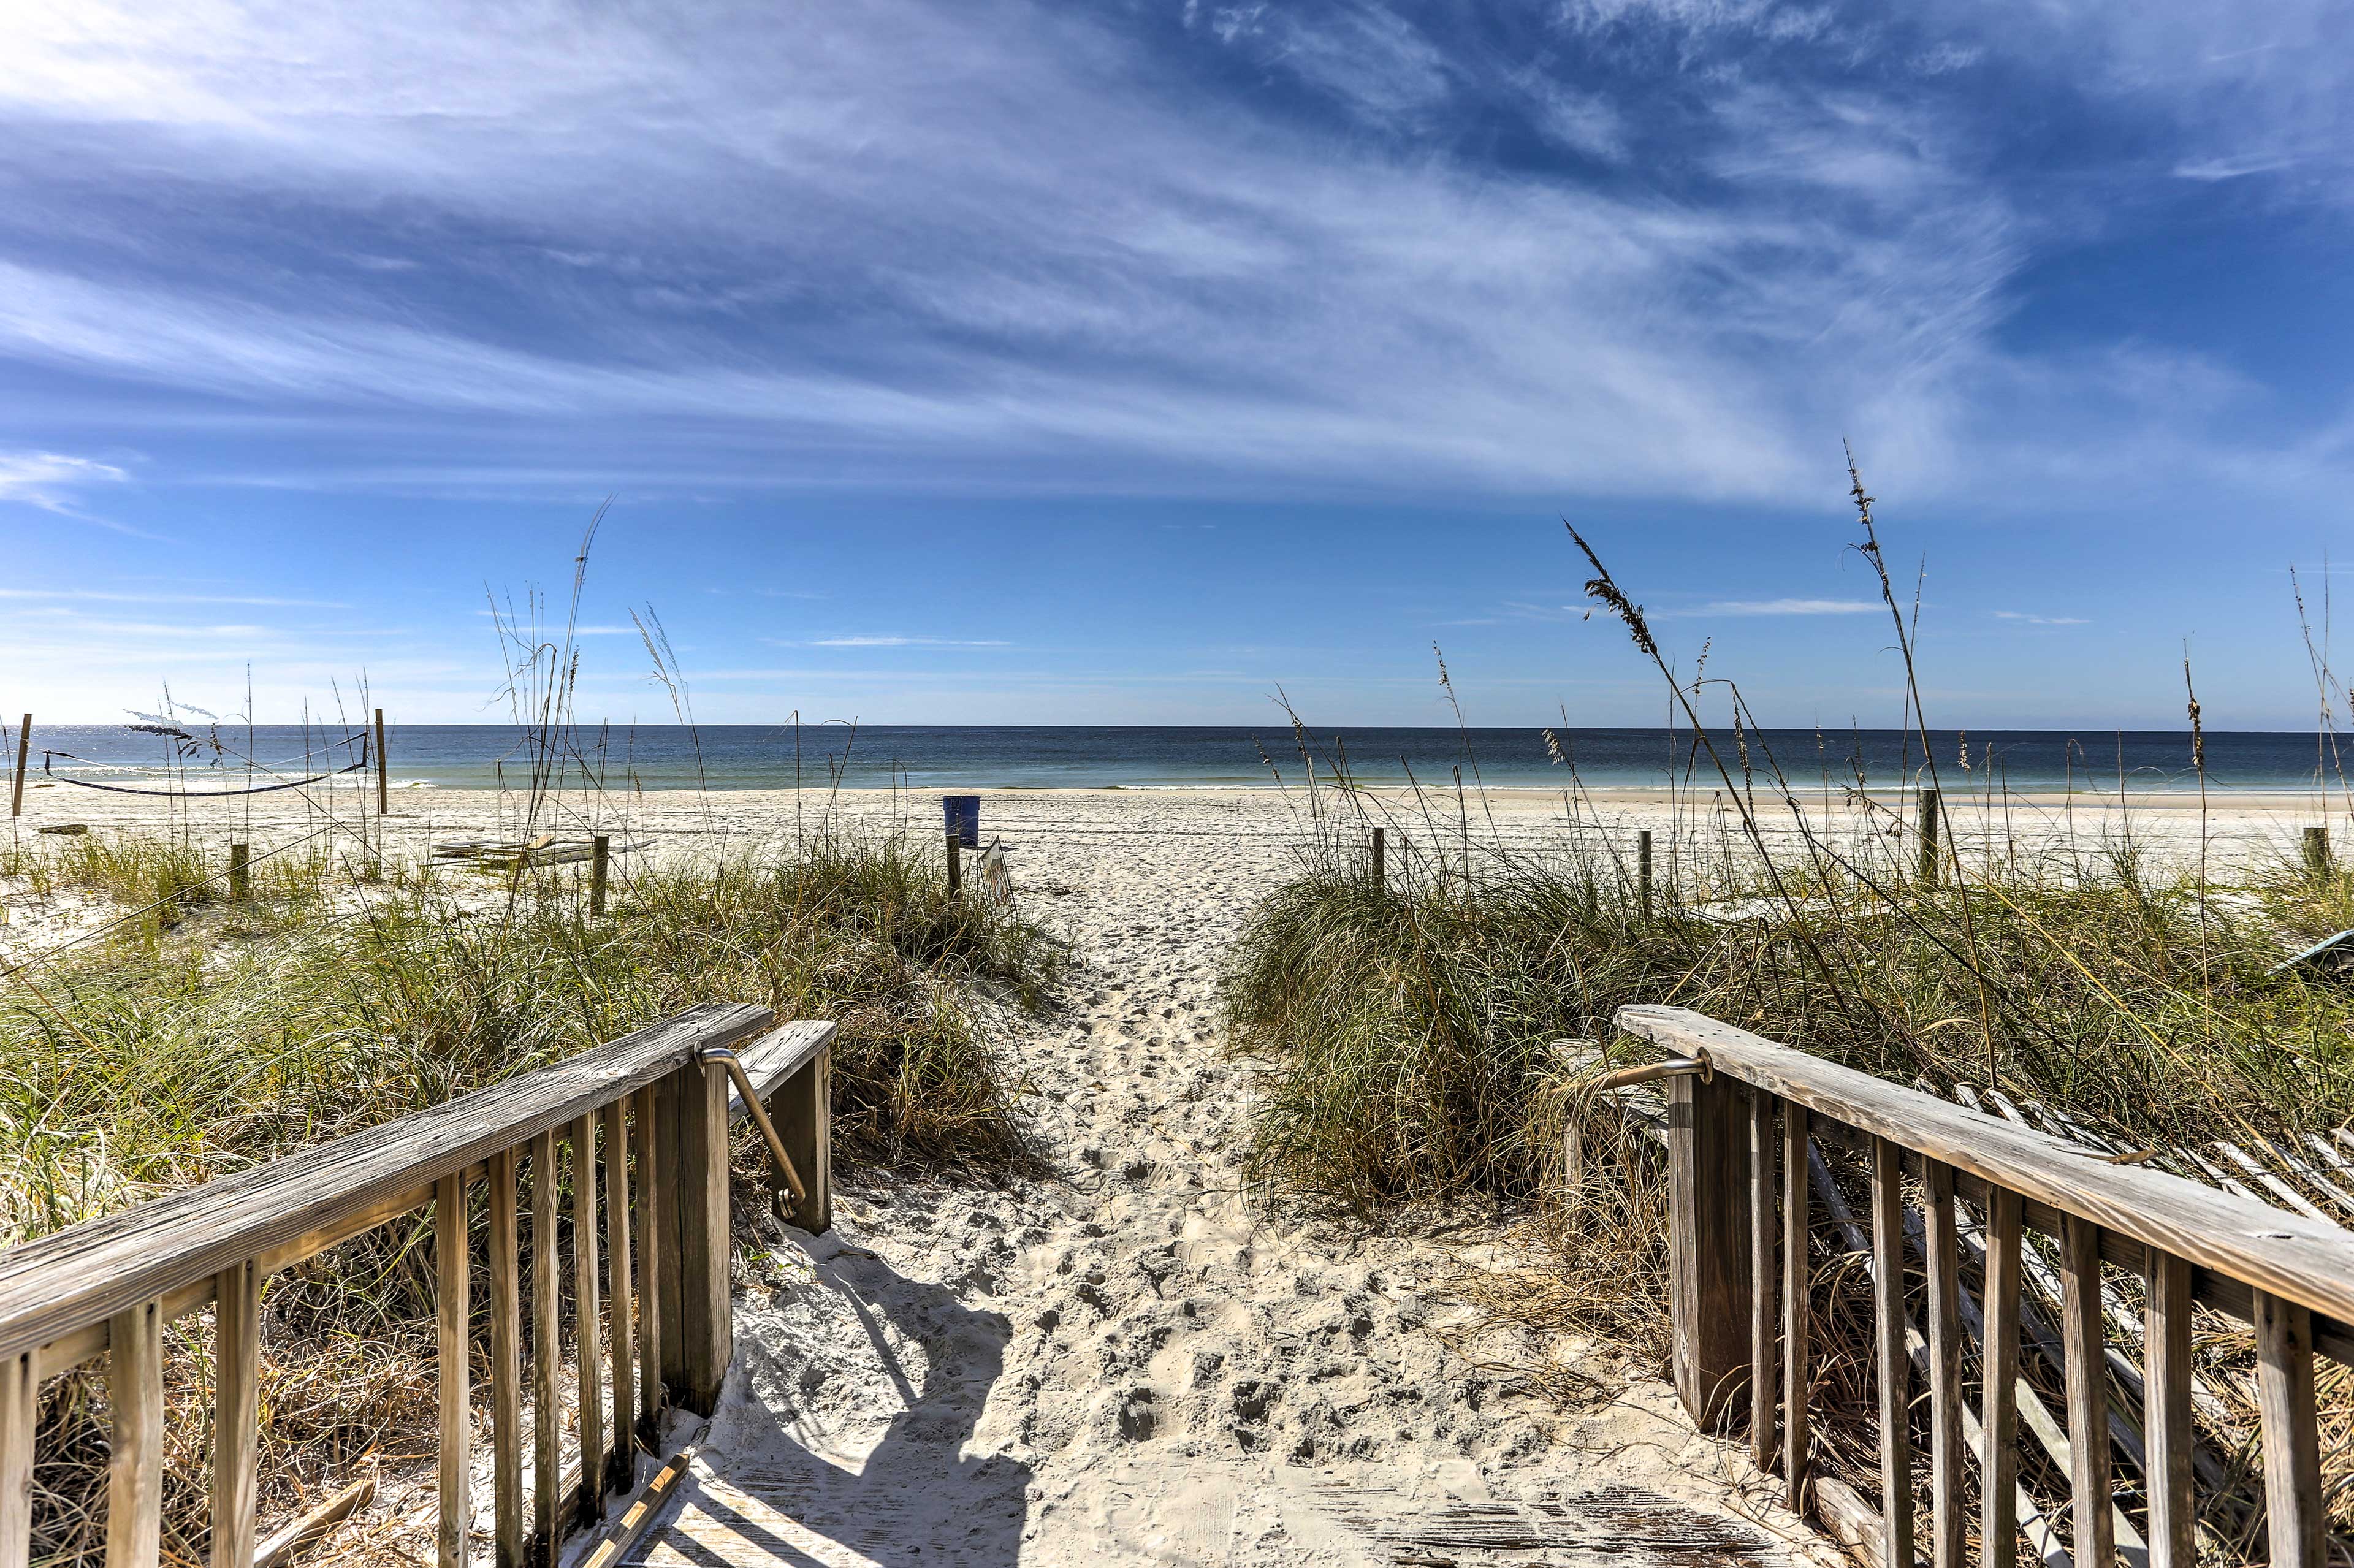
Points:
(749, 757)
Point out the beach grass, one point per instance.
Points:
(1410, 1028)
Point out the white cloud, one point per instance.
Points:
(2212, 170)
(2040, 620)
(111, 597)
(1780, 607)
(876, 641)
(1379, 65)
(52, 480)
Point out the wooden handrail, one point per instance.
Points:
(84, 1274)
(1738, 1197)
(2290, 1256)
(645, 1118)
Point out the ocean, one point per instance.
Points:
(974, 756)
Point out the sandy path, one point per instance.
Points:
(1126, 1363)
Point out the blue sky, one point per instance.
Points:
(1010, 363)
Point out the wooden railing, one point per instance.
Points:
(1749, 1121)
(645, 1118)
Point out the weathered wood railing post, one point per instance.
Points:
(506, 1366)
(452, 1321)
(1764, 1222)
(1381, 861)
(668, 1284)
(20, 1405)
(620, 1332)
(803, 1108)
(654, 1239)
(707, 1328)
(1709, 1240)
(240, 885)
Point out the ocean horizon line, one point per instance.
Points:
(1143, 756)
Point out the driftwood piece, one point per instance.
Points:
(311, 1528)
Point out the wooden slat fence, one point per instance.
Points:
(643, 1119)
(1965, 1190)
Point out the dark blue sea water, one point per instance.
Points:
(926, 756)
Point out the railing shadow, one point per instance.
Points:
(913, 1497)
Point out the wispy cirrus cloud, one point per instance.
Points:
(2026, 619)
(875, 640)
(109, 596)
(51, 480)
(1725, 606)
(1738, 607)
(1331, 246)
(59, 484)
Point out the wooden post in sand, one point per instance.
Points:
(599, 848)
(1381, 861)
(955, 869)
(1929, 835)
(2317, 842)
(1708, 1241)
(383, 799)
(23, 747)
(240, 882)
(1643, 869)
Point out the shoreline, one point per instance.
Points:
(50, 793)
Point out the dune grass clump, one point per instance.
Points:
(165, 1056)
(1409, 1031)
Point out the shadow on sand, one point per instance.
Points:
(914, 1499)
